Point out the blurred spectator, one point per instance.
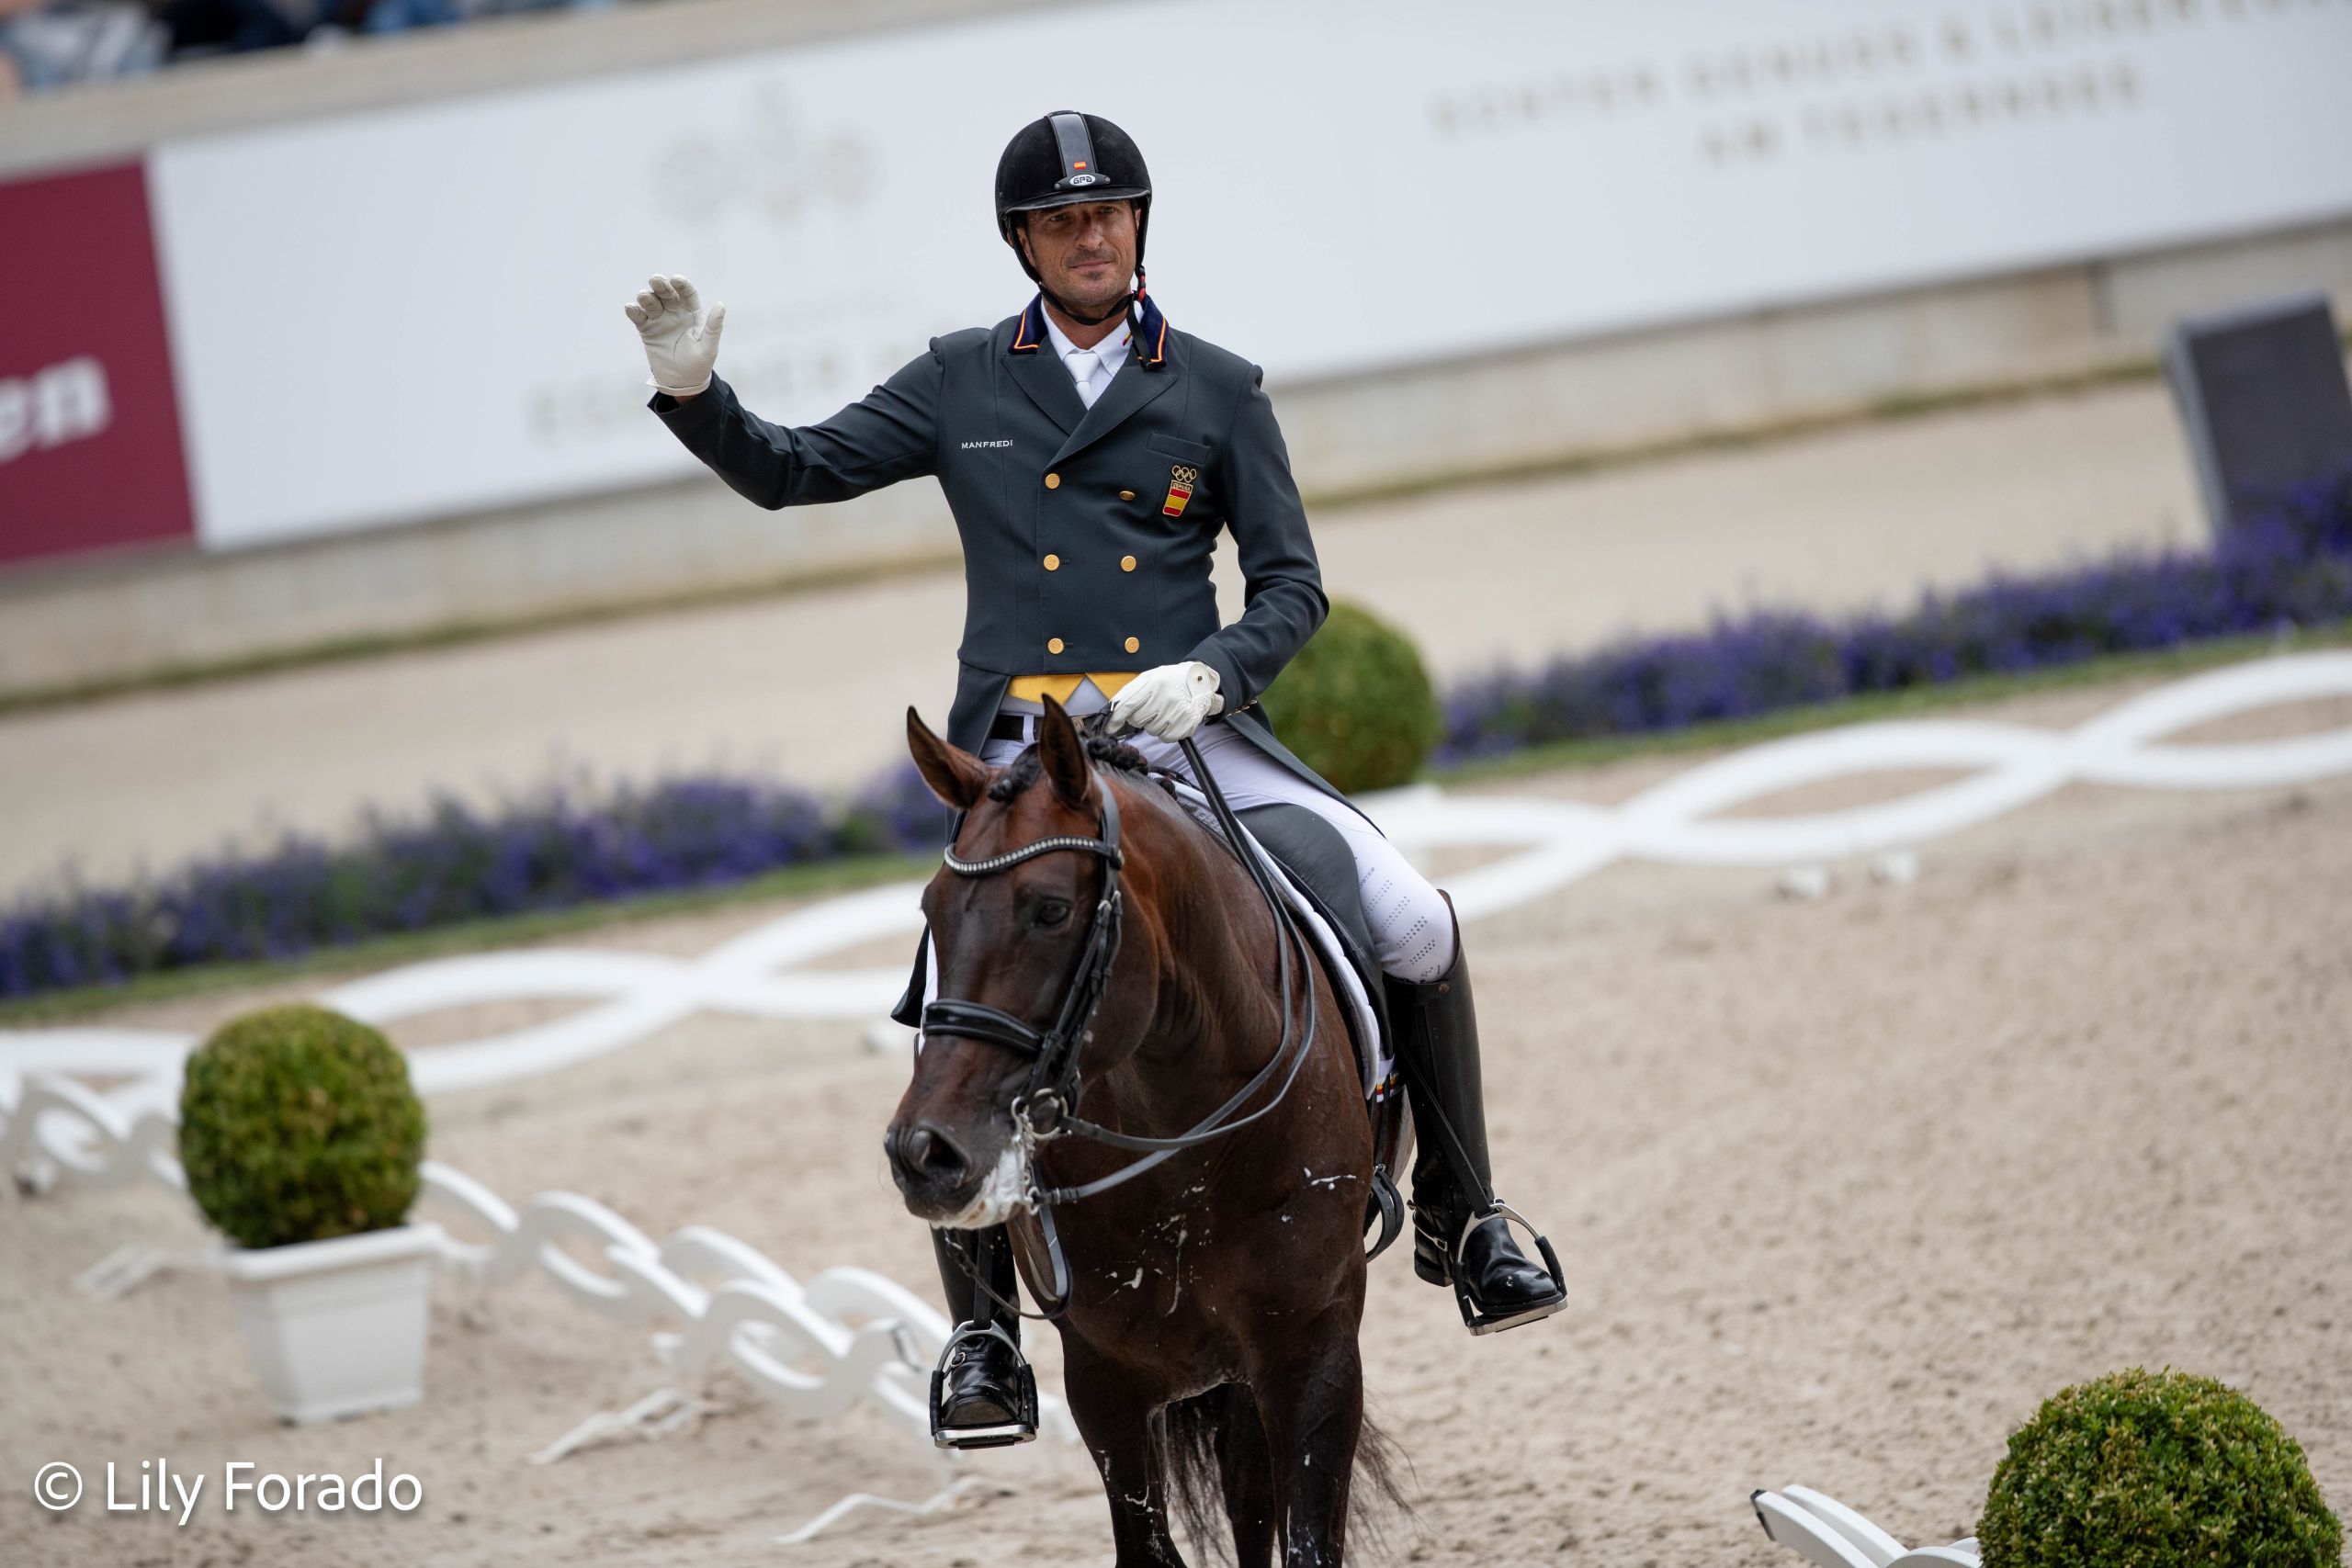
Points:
(51, 43)
(54, 43)
(397, 15)
(400, 16)
(225, 27)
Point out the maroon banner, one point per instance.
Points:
(90, 452)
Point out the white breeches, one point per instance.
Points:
(1412, 930)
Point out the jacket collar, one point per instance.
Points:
(1147, 339)
(1042, 376)
(1150, 340)
(1029, 333)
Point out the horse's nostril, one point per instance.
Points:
(926, 1154)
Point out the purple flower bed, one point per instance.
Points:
(896, 810)
(2292, 563)
(2289, 564)
(564, 847)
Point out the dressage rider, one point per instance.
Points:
(1091, 453)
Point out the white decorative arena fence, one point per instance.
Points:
(814, 1349)
(1825, 1532)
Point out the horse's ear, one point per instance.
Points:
(955, 775)
(1064, 755)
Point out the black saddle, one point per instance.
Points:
(1318, 858)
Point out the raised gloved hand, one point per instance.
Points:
(1170, 701)
(680, 342)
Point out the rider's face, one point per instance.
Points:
(1086, 252)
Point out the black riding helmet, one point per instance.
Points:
(1068, 157)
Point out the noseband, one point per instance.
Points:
(1045, 1108)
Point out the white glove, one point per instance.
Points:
(1169, 701)
(681, 342)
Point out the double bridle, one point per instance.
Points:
(1052, 1051)
(1046, 1107)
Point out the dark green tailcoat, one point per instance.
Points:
(1033, 475)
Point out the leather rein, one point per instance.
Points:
(1044, 1108)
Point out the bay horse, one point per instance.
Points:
(1212, 1292)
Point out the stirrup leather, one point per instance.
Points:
(1438, 1263)
(1021, 1429)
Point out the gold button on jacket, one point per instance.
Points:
(1054, 645)
(1132, 645)
(1127, 563)
(1053, 481)
(1053, 563)
(1126, 495)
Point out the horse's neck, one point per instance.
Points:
(1216, 1020)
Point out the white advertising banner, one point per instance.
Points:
(417, 313)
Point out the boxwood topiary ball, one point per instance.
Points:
(1355, 704)
(2152, 1468)
(298, 1123)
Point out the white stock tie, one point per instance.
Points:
(1084, 364)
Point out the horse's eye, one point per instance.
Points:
(1050, 912)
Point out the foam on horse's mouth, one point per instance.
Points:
(1000, 1192)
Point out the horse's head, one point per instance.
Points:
(1012, 940)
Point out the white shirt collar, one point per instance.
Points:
(1113, 349)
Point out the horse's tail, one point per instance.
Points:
(1193, 1433)
(1374, 1494)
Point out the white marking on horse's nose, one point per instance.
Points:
(999, 1195)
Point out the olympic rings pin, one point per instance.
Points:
(1180, 489)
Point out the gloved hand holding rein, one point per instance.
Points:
(1170, 701)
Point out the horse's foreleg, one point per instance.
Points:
(1310, 1403)
(1245, 1468)
(1117, 1425)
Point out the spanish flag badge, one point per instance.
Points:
(1180, 491)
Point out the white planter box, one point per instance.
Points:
(337, 1326)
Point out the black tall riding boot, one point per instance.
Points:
(1459, 1233)
(983, 1395)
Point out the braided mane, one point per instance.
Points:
(1028, 767)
